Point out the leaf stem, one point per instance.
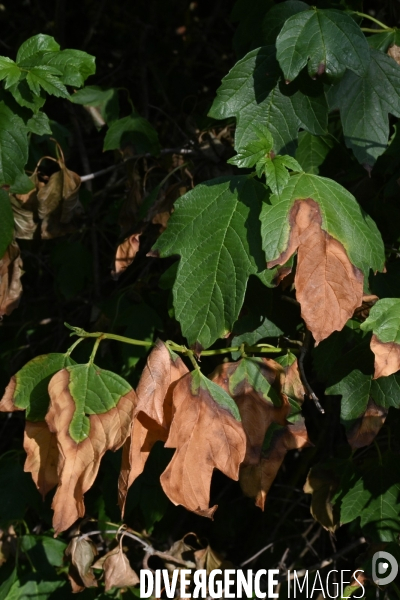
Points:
(370, 30)
(360, 14)
(74, 345)
(95, 348)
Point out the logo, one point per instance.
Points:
(384, 568)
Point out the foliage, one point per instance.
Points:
(227, 263)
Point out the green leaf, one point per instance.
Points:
(257, 146)
(276, 17)
(342, 218)
(133, 130)
(31, 383)
(382, 41)
(13, 146)
(312, 151)
(94, 391)
(327, 41)
(34, 587)
(105, 100)
(39, 124)
(25, 97)
(41, 549)
(6, 222)
(267, 329)
(35, 44)
(216, 392)
(366, 131)
(74, 66)
(253, 93)
(355, 390)
(384, 320)
(9, 71)
(17, 491)
(46, 78)
(374, 498)
(277, 173)
(215, 230)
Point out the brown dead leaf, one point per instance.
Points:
(328, 287)
(323, 483)
(256, 412)
(117, 570)
(206, 437)
(394, 52)
(183, 552)
(81, 553)
(8, 544)
(162, 219)
(162, 369)
(125, 254)
(10, 279)
(256, 480)
(40, 445)
(79, 462)
(7, 401)
(367, 427)
(144, 434)
(58, 202)
(209, 560)
(152, 415)
(387, 357)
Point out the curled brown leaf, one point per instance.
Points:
(387, 357)
(125, 254)
(328, 286)
(366, 428)
(79, 462)
(40, 445)
(10, 279)
(206, 437)
(81, 553)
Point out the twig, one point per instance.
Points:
(309, 390)
(328, 561)
(183, 151)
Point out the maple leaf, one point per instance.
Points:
(10, 279)
(384, 322)
(152, 414)
(90, 412)
(267, 394)
(125, 254)
(27, 390)
(117, 570)
(58, 202)
(333, 255)
(207, 435)
(81, 553)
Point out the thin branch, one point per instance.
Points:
(182, 151)
(309, 390)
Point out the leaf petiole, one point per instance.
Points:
(360, 14)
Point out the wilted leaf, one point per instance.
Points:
(364, 431)
(25, 211)
(384, 322)
(207, 435)
(125, 254)
(152, 414)
(40, 445)
(323, 482)
(81, 553)
(162, 369)
(209, 560)
(117, 570)
(256, 480)
(254, 384)
(90, 412)
(58, 202)
(394, 52)
(10, 279)
(330, 264)
(27, 390)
